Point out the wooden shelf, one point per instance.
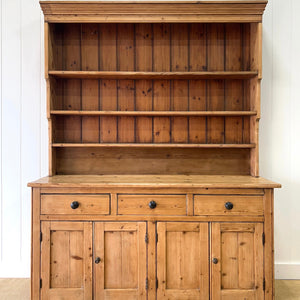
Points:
(151, 145)
(153, 75)
(153, 113)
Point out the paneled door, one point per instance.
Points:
(182, 260)
(66, 268)
(120, 260)
(237, 261)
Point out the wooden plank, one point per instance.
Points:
(144, 95)
(126, 101)
(144, 92)
(108, 125)
(215, 269)
(204, 255)
(151, 262)
(161, 101)
(246, 255)
(108, 47)
(197, 102)
(143, 47)
(161, 89)
(126, 98)
(59, 259)
(269, 244)
(45, 262)
(141, 267)
(161, 259)
(76, 259)
(90, 88)
(158, 182)
(72, 100)
(155, 75)
(197, 47)
(179, 101)
(233, 88)
(35, 244)
(179, 88)
(114, 205)
(190, 204)
(141, 101)
(197, 160)
(72, 87)
(125, 47)
(215, 51)
(98, 269)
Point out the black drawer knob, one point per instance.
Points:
(74, 204)
(97, 260)
(215, 261)
(228, 205)
(152, 204)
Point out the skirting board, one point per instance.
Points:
(287, 271)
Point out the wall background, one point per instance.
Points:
(23, 128)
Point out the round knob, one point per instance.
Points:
(228, 205)
(74, 204)
(215, 261)
(152, 204)
(97, 260)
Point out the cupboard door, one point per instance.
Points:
(237, 261)
(120, 260)
(66, 267)
(182, 261)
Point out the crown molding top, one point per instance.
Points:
(152, 11)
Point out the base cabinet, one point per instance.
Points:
(108, 260)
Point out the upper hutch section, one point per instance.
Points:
(153, 87)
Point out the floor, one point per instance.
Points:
(18, 289)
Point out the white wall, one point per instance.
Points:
(23, 127)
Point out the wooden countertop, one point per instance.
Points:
(198, 181)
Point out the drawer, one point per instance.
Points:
(174, 205)
(81, 204)
(228, 204)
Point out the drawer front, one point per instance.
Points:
(75, 204)
(172, 205)
(228, 205)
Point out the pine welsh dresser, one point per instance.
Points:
(153, 189)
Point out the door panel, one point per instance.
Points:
(66, 260)
(237, 273)
(121, 271)
(182, 260)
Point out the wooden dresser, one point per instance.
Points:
(153, 189)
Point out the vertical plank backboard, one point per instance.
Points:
(233, 88)
(72, 87)
(179, 88)
(126, 95)
(108, 88)
(90, 88)
(144, 88)
(161, 88)
(215, 62)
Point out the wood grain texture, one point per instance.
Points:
(200, 181)
(190, 11)
(88, 204)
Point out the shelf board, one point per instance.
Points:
(151, 145)
(153, 75)
(152, 113)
